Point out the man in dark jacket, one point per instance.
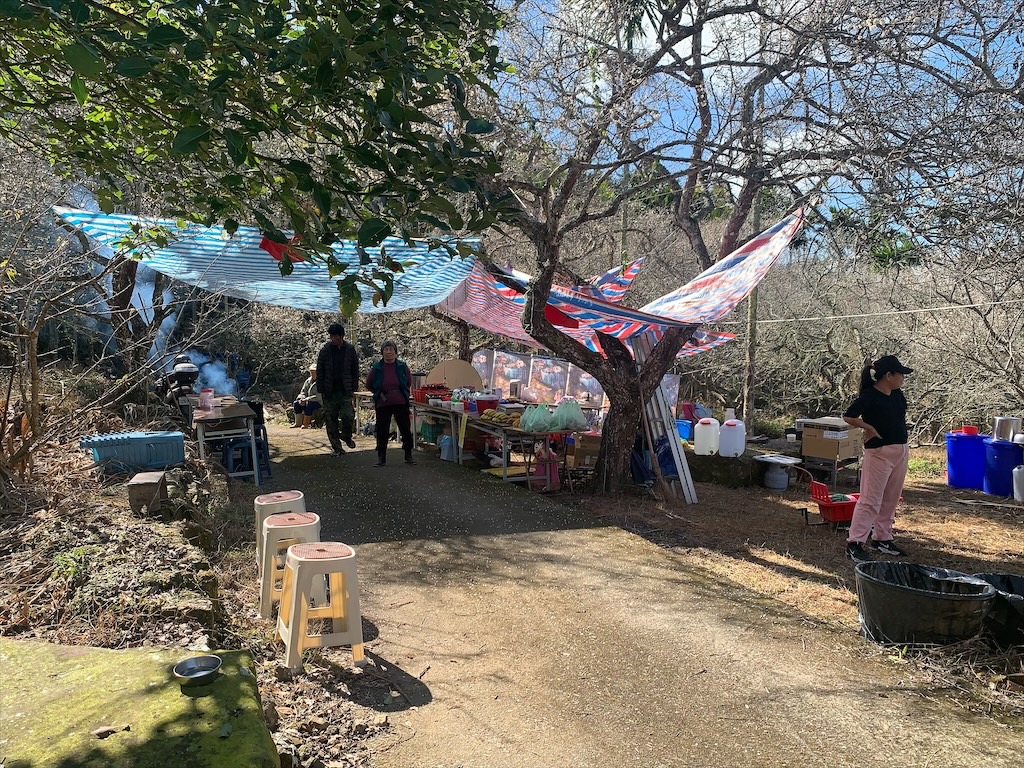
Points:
(337, 376)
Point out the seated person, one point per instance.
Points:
(307, 402)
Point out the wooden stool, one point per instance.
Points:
(304, 565)
(272, 504)
(280, 532)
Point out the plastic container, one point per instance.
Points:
(483, 403)
(1000, 459)
(206, 398)
(968, 430)
(135, 451)
(965, 460)
(685, 429)
(1005, 622)
(1018, 483)
(904, 603)
(732, 438)
(776, 478)
(705, 437)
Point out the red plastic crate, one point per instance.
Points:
(423, 394)
(832, 511)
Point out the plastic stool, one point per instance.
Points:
(304, 565)
(243, 462)
(274, 504)
(280, 532)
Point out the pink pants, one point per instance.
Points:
(881, 483)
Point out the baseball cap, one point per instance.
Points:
(890, 364)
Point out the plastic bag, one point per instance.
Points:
(568, 417)
(535, 419)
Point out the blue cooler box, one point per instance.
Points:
(136, 451)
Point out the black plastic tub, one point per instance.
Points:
(1005, 622)
(904, 603)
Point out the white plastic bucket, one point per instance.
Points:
(732, 439)
(705, 437)
(1018, 483)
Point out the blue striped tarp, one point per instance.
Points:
(237, 266)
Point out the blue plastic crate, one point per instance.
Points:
(685, 429)
(135, 451)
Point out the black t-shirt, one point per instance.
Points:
(886, 413)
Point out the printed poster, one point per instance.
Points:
(584, 387)
(483, 362)
(510, 367)
(548, 378)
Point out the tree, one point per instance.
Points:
(722, 104)
(338, 121)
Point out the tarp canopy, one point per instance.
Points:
(246, 265)
(238, 266)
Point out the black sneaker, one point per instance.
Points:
(337, 451)
(351, 443)
(855, 551)
(888, 548)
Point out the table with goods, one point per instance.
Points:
(456, 419)
(218, 422)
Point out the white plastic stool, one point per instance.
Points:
(273, 504)
(305, 564)
(280, 532)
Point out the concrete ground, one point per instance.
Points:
(522, 634)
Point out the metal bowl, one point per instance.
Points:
(198, 670)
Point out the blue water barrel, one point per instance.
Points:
(1001, 457)
(965, 460)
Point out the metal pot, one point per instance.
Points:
(1005, 427)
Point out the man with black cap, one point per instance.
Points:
(881, 411)
(337, 375)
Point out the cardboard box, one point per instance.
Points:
(583, 453)
(831, 438)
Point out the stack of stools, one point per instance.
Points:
(280, 532)
(273, 504)
(306, 565)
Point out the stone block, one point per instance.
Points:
(147, 489)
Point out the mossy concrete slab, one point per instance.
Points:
(53, 698)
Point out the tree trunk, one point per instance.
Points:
(465, 350)
(621, 423)
(616, 370)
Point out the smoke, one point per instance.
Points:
(213, 374)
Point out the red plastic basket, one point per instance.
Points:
(423, 394)
(832, 511)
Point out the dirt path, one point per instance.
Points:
(521, 633)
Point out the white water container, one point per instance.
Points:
(732, 440)
(705, 437)
(1018, 483)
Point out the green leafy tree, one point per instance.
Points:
(335, 120)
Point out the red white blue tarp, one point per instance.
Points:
(715, 292)
(486, 303)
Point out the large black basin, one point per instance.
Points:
(1005, 621)
(904, 603)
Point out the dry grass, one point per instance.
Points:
(758, 539)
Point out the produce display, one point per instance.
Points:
(500, 417)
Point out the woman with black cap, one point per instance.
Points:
(881, 411)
